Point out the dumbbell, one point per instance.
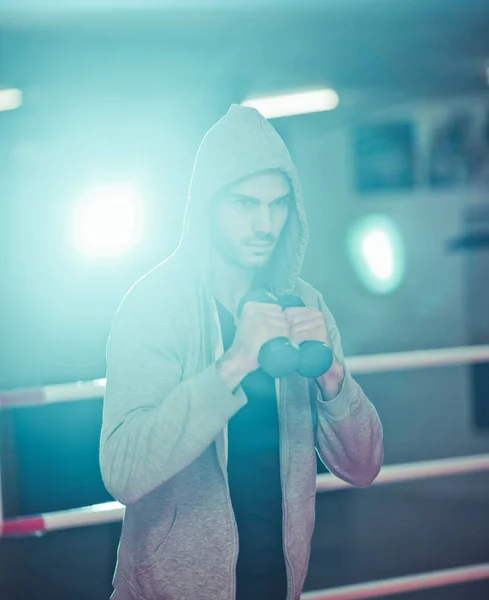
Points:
(315, 357)
(279, 357)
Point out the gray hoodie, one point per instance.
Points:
(163, 450)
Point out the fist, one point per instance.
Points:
(260, 322)
(306, 324)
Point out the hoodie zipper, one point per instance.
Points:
(235, 525)
(223, 463)
(236, 553)
(284, 465)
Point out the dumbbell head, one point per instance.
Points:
(290, 301)
(315, 359)
(256, 296)
(279, 357)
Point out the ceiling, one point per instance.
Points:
(398, 49)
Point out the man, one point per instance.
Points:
(214, 460)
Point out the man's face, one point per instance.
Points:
(249, 217)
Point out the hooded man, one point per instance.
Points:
(214, 459)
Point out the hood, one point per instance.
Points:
(240, 144)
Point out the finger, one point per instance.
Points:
(299, 336)
(301, 314)
(278, 330)
(308, 332)
(301, 310)
(276, 322)
(313, 319)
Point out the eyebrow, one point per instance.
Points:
(253, 199)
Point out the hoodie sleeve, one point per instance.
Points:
(154, 422)
(348, 434)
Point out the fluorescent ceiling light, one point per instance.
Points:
(10, 99)
(300, 103)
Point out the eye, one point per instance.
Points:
(244, 202)
(284, 201)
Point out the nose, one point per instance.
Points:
(262, 222)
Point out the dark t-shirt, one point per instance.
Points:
(254, 481)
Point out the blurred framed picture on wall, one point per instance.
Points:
(459, 150)
(384, 156)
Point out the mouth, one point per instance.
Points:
(260, 249)
(260, 245)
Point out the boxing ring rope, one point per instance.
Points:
(111, 512)
(427, 469)
(374, 363)
(399, 585)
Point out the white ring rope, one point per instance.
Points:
(375, 363)
(399, 585)
(111, 512)
(418, 359)
(427, 469)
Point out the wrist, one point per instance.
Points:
(233, 366)
(331, 382)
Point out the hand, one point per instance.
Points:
(260, 322)
(306, 323)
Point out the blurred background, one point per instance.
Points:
(102, 107)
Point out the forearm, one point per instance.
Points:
(349, 434)
(150, 444)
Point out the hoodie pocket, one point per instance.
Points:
(162, 549)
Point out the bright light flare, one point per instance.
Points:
(108, 220)
(376, 252)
